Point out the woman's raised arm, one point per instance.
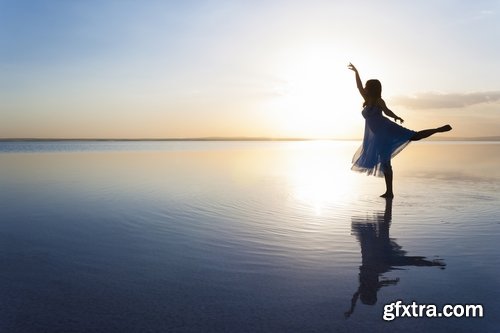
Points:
(359, 84)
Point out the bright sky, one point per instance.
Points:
(157, 69)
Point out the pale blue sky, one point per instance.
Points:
(244, 68)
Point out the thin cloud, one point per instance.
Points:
(483, 14)
(435, 100)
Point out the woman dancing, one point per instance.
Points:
(383, 139)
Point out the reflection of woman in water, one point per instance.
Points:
(379, 255)
(383, 139)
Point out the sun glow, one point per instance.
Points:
(316, 97)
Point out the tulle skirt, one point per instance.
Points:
(383, 139)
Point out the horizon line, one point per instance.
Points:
(236, 138)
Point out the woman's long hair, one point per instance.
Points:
(373, 90)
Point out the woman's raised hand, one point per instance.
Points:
(352, 68)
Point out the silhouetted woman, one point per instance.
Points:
(383, 139)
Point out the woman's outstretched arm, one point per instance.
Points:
(387, 111)
(358, 80)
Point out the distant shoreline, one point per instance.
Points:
(489, 138)
(159, 139)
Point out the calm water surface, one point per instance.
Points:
(243, 237)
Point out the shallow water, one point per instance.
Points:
(243, 237)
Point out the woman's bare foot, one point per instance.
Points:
(387, 195)
(444, 128)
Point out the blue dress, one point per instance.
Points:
(383, 139)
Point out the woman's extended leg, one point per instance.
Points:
(428, 132)
(388, 175)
